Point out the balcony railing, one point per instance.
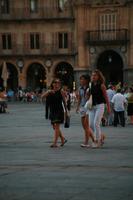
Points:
(108, 37)
(43, 13)
(44, 50)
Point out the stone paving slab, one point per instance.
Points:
(31, 170)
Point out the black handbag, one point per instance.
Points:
(67, 122)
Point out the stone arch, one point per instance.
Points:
(65, 72)
(36, 76)
(12, 82)
(111, 64)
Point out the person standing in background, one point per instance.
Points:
(3, 101)
(130, 104)
(110, 92)
(119, 102)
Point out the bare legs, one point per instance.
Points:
(87, 129)
(131, 119)
(57, 134)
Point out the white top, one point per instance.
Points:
(110, 94)
(119, 101)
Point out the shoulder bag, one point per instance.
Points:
(89, 103)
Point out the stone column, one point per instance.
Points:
(22, 80)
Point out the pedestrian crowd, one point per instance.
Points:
(21, 95)
(109, 106)
(97, 105)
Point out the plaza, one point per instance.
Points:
(31, 170)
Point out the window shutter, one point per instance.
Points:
(0, 42)
(26, 42)
(14, 40)
(42, 41)
(26, 8)
(70, 40)
(56, 41)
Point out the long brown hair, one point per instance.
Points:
(100, 75)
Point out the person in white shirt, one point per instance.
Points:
(110, 92)
(119, 102)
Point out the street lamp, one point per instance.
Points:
(62, 71)
(36, 72)
(110, 59)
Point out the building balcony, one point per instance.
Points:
(107, 37)
(44, 50)
(19, 14)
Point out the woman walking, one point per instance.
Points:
(99, 98)
(82, 98)
(130, 104)
(56, 104)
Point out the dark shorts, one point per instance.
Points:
(130, 109)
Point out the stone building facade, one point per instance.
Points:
(104, 32)
(43, 39)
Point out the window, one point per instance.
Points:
(108, 26)
(63, 40)
(6, 41)
(34, 41)
(33, 6)
(5, 6)
(61, 4)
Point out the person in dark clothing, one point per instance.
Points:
(55, 100)
(47, 107)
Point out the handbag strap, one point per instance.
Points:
(90, 86)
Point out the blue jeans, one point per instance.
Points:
(95, 117)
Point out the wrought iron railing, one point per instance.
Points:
(100, 37)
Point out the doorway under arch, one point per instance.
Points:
(12, 81)
(111, 65)
(36, 77)
(64, 71)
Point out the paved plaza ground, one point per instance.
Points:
(31, 170)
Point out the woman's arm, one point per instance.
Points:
(63, 93)
(78, 100)
(45, 94)
(103, 87)
(88, 93)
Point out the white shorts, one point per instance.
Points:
(82, 111)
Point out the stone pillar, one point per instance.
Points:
(22, 80)
(128, 76)
(48, 78)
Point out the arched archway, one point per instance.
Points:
(12, 82)
(36, 76)
(64, 71)
(111, 65)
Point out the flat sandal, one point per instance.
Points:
(53, 146)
